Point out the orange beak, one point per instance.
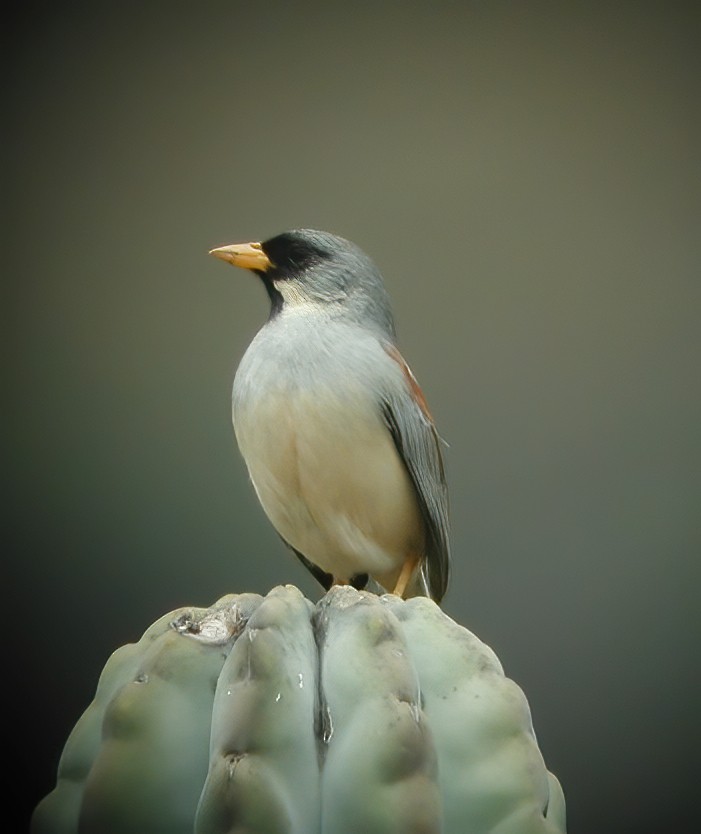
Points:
(245, 255)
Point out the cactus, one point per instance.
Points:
(272, 714)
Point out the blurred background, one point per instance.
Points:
(526, 177)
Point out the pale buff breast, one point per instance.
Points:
(330, 479)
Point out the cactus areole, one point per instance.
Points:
(358, 715)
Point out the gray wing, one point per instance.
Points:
(414, 433)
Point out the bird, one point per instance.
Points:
(335, 432)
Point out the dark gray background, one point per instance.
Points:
(525, 175)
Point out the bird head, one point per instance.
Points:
(309, 271)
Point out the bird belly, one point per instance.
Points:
(329, 477)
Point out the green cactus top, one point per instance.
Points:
(271, 714)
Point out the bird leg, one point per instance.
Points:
(405, 575)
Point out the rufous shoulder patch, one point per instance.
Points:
(414, 386)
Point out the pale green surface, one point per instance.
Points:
(372, 692)
(58, 813)
(361, 713)
(492, 775)
(138, 756)
(263, 770)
